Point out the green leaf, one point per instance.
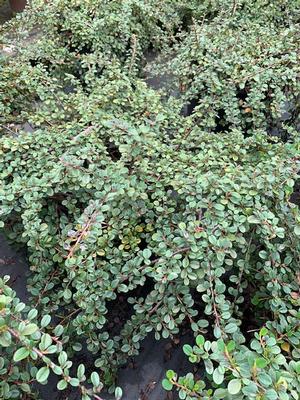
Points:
(170, 374)
(20, 354)
(45, 321)
(20, 307)
(271, 341)
(32, 314)
(251, 389)
(5, 339)
(230, 346)
(95, 379)
(253, 220)
(213, 240)
(42, 374)
(62, 384)
(62, 358)
(297, 230)
(182, 226)
(263, 332)
(53, 349)
(125, 348)
(67, 294)
(297, 367)
(200, 340)
(29, 329)
(187, 349)
(80, 371)
(45, 342)
(219, 207)
(271, 394)
(209, 366)
(234, 386)
(231, 327)
(74, 382)
(261, 362)
(146, 253)
(264, 379)
(4, 300)
(118, 393)
(77, 346)
(218, 377)
(57, 370)
(25, 388)
(220, 394)
(58, 330)
(221, 345)
(166, 384)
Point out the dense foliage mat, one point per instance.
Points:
(127, 206)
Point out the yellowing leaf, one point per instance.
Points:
(285, 346)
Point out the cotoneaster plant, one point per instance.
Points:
(75, 36)
(235, 72)
(262, 371)
(216, 229)
(30, 354)
(125, 206)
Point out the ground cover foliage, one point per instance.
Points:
(116, 194)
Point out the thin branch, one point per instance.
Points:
(52, 365)
(234, 8)
(8, 129)
(82, 234)
(133, 55)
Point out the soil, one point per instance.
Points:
(5, 12)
